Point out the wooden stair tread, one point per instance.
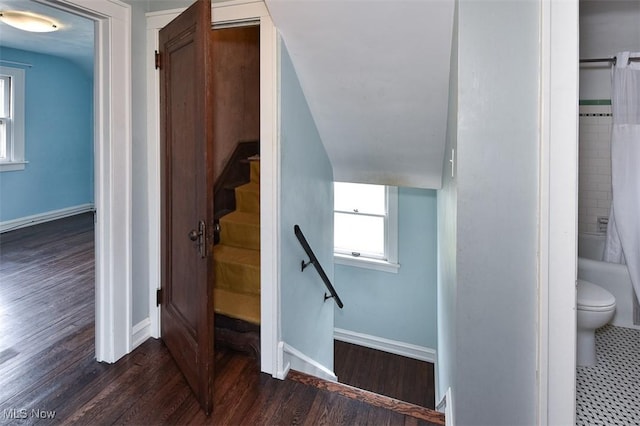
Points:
(222, 213)
(235, 184)
(240, 229)
(241, 217)
(230, 254)
(250, 159)
(250, 187)
(248, 198)
(406, 408)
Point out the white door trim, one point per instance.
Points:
(558, 211)
(112, 147)
(232, 11)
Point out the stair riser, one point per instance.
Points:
(240, 234)
(238, 278)
(255, 171)
(237, 305)
(247, 201)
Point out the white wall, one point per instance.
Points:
(595, 166)
(140, 214)
(447, 237)
(158, 5)
(606, 28)
(489, 301)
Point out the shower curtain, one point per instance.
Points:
(623, 232)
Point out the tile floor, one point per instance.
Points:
(609, 392)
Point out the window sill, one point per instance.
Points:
(12, 166)
(361, 262)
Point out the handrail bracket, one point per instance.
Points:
(304, 264)
(314, 260)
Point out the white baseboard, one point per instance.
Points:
(140, 333)
(282, 366)
(409, 350)
(23, 222)
(296, 360)
(446, 406)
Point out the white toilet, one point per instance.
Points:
(596, 307)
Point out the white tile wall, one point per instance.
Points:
(594, 196)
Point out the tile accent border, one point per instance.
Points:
(595, 102)
(595, 109)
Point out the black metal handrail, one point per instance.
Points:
(314, 260)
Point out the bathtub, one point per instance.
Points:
(611, 276)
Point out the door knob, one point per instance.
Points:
(201, 237)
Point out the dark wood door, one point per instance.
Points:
(186, 106)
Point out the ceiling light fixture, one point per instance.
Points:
(28, 21)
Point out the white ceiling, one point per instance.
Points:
(375, 74)
(73, 41)
(609, 27)
(606, 28)
(376, 77)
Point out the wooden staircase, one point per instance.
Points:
(237, 268)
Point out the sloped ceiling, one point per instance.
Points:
(376, 77)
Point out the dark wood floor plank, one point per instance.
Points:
(388, 374)
(47, 355)
(240, 394)
(269, 395)
(58, 379)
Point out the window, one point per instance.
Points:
(366, 226)
(11, 119)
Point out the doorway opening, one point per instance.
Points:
(606, 345)
(230, 16)
(47, 224)
(237, 187)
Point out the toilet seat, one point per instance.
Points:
(594, 298)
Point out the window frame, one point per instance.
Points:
(390, 261)
(15, 147)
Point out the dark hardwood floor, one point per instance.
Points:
(47, 365)
(387, 374)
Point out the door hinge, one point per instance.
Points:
(158, 60)
(159, 297)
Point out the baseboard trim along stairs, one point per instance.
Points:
(409, 350)
(289, 359)
(370, 398)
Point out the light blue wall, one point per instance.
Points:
(398, 306)
(58, 139)
(306, 199)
